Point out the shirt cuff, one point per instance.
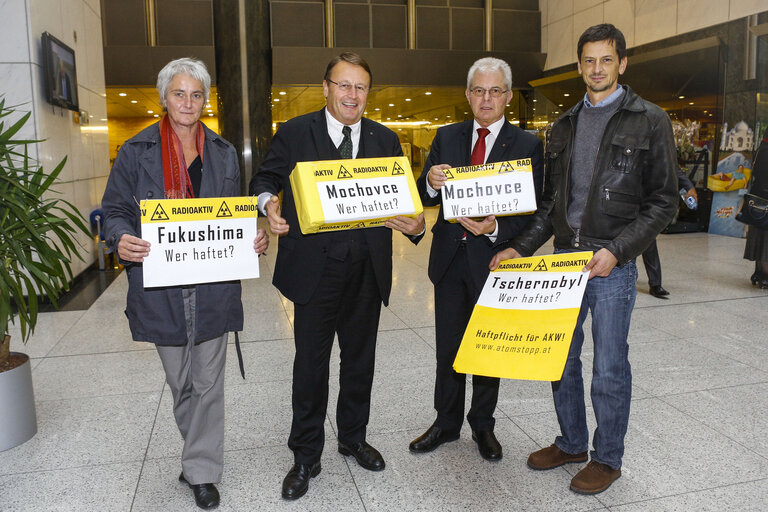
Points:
(262, 201)
(493, 235)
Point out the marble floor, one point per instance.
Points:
(697, 440)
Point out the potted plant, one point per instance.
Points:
(36, 246)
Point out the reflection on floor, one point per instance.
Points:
(697, 434)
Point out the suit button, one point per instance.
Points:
(576, 244)
(150, 194)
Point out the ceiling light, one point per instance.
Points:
(427, 93)
(122, 94)
(377, 109)
(435, 119)
(150, 111)
(566, 94)
(210, 110)
(157, 115)
(283, 93)
(276, 99)
(681, 97)
(407, 99)
(690, 103)
(389, 118)
(210, 115)
(535, 100)
(399, 115)
(134, 101)
(391, 104)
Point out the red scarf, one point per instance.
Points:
(177, 182)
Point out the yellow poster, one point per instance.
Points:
(522, 325)
(333, 195)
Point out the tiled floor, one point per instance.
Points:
(698, 433)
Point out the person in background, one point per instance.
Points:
(756, 248)
(337, 280)
(458, 261)
(609, 188)
(651, 259)
(177, 158)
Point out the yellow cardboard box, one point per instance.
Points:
(333, 195)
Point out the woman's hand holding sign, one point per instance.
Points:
(132, 248)
(261, 242)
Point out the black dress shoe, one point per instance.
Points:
(296, 482)
(206, 495)
(366, 455)
(489, 446)
(431, 439)
(658, 291)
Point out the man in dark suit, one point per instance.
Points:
(337, 280)
(458, 261)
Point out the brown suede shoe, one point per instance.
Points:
(552, 457)
(594, 478)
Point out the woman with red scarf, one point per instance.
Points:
(177, 158)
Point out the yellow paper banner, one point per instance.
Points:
(522, 325)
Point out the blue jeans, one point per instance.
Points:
(611, 300)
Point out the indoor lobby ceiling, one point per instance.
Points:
(393, 105)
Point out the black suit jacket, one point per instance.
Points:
(452, 145)
(301, 258)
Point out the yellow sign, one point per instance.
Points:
(333, 195)
(522, 325)
(181, 210)
(498, 188)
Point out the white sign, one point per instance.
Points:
(359, 199)
(499, 188)
(199, 240)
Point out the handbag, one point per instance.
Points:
(754, 211)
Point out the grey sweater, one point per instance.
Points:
(590, 127)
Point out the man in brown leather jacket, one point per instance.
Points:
(610, 187)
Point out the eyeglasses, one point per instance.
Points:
(495, 92)
(346, 86)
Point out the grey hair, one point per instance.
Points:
(487, 64)
(186, 66)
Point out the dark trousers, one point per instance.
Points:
(652, 264)
(347, 303)
(455, 296)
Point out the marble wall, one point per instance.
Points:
(641, 21)
(77, 23)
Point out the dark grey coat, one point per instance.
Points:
(157, 314)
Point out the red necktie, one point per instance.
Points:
(478, 152)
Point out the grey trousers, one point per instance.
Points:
(195, 374)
